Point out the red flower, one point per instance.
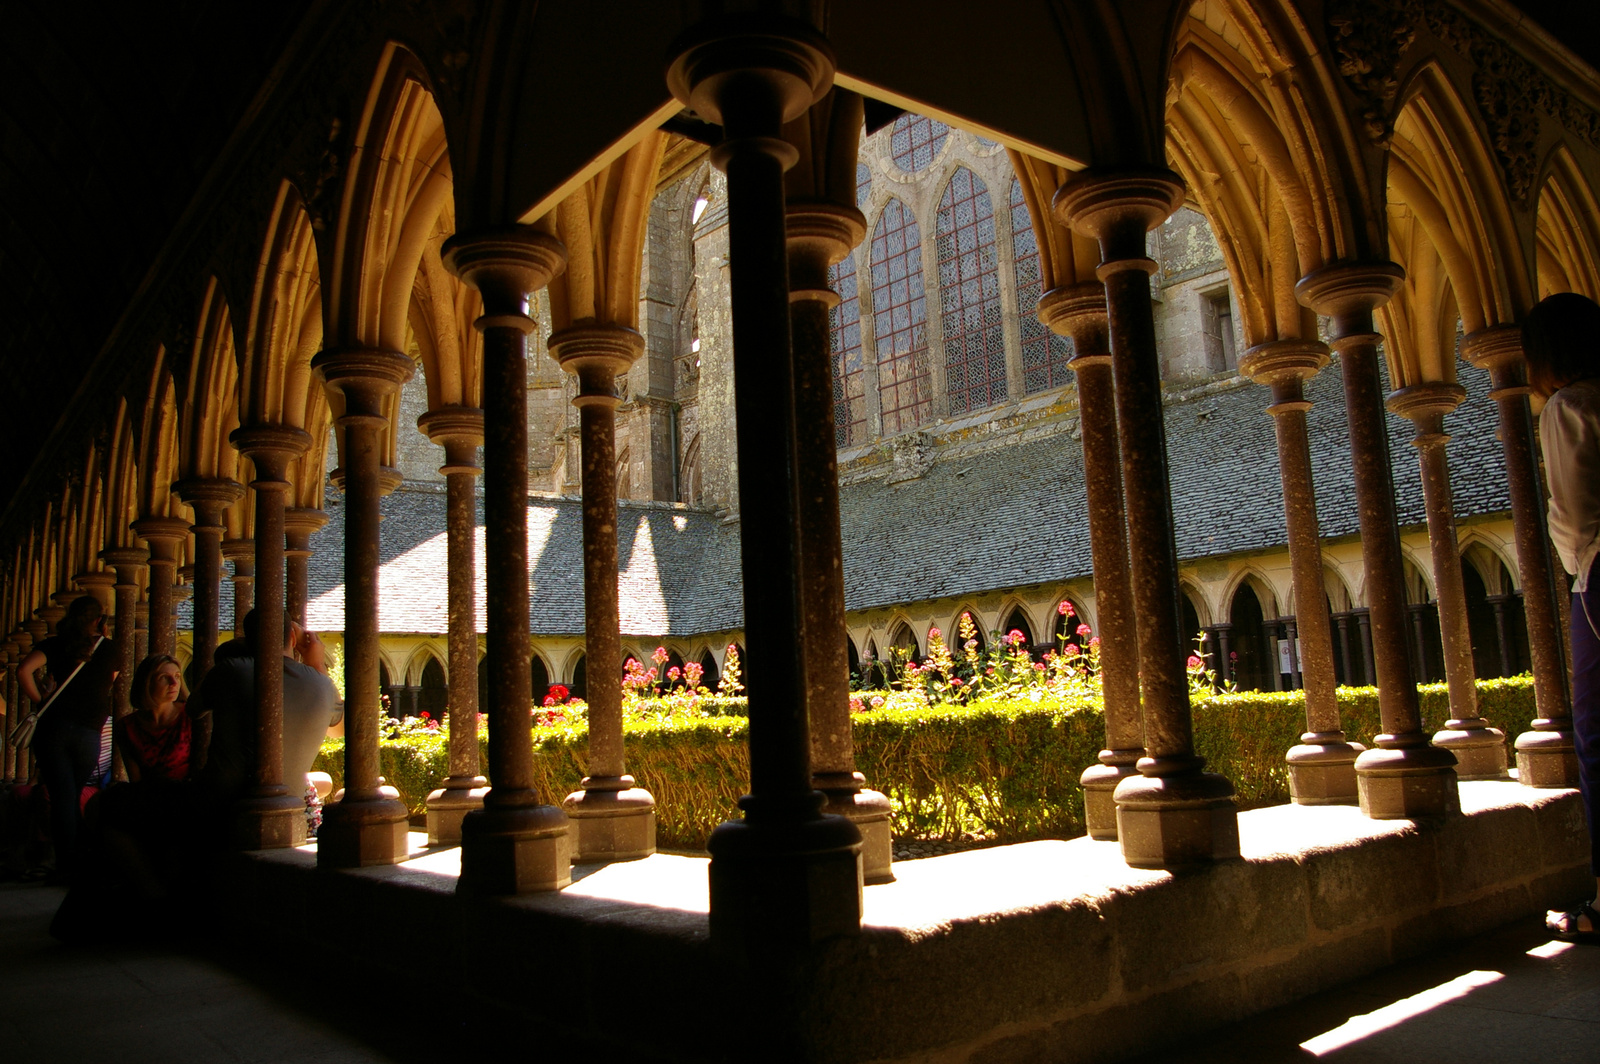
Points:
(425, 715)
(955, 681)
(558, 694)
(549, 700)
(1083, 629)
(1194, 661)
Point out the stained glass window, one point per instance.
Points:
(915, 140)
(1044, 354)
(849, 384)
(863, 184)
(969, 295)
(900, 320)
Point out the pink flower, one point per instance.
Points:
(1015, 637)
(1083, 629)
(1038, 666)
(933, 633)
(1233, 655)
(660, 656)
(673, 674)
(549, 700)
(1195, 662)
(1065, 608)
(955, 681)
(989, 671)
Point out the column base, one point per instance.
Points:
(1323, 773)
(783, 884)
(1176, 821)
(274, 822)
(1404, 783)
(608, 825)
(360, 833)
(515, 850)
(1480, 751)
(459, 796)
(869, 811)
(1547, 757)
(1099, 782)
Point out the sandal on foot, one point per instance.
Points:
(1565, 928)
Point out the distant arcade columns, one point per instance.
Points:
(1405, 776)
(821, 230)
(209, 498)
(1322, 768)
(1480, 750)
(98, 583)
(1080, 312)
(1546, 756)
(514, 843)
(163, 535)
(242, 553)
(269, 816)
(367, 826)
(1174, 813)
(459, 430)
(299, 525)
(612, 819)
(14, 711)
(128, 562)
(785, 875)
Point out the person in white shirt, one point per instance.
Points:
(1561, 339)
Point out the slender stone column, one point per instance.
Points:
(786, 874)
(1345, 660)
(299, 525)
(459, 430)
(1080, 312)
(1480, 750)
(36, 630)
(242, 553)
(1404, 776)
(163, 535)
(1546, 756)
(269, 816)
(366, 826)
(1322, 769)
(141, 629)
(209, 498)
(127, 561)
(8, 688)
(513, 843)
(1224, 651)
(821, 232)
(17, 759)
(1502, 631)
(1174, 813)
(612, 820)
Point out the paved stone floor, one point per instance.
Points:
(1507, 996)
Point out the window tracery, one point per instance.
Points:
(849, 381)
(1045, 355)
(915, 140)
(900, 320)
(969, 295)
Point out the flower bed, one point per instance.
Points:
(1002, 767)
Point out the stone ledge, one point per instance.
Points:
(1041, 951)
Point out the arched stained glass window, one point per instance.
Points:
(849, 383)
(1044, 354)
(915, 140)
(900, 320)
(863, 184)
(969, 295)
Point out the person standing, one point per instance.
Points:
(1561, 339)
(66, 741)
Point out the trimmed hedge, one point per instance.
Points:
(1003, 770)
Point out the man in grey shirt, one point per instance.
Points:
(227, 702)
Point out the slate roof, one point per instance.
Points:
(1005, 518)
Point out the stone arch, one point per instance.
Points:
(283, 330)
(1340, 596)
(1490, 562)
(122, 498)
(1259, 585)
(210, 404)
(1014, 610)
(903, 634)
(1567, 230)
(418, 660)
(952, 634)
(1197, 600)
(1418, 580)
(689, 473)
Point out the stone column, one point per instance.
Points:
(127, 561)
(367, 826)
(1404, 776)
(270, 814)
(14, 713)
(820, 233)
(1502, 632)
(1546, 756)
(163, 535)
(1174, 813)
(1345, 659)
(141, 629)
(1322, 769)
(1224, 651)
(242, 553)
(1080, 312)
(209, 498)
(299, 525)
(612, 820)
(513, 843)
(785, 875)
(1480, 750)
(459, 430)
(17, 759)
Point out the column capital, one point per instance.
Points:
(22, 638)
(271, 448)
(459, 430)
(36, 628)
(129, 558)
(98, 582)
(389, 479)
(1348, 289)
(819, 233)
(208, 496)
(1494, 347)
(1079, 311)
(165, 532)
(506, 266)
(596, 355)
(236, 550)
(62, 599)
(738, 70)
(364, 375)
(1284, 360)
(1426, 404)
(186, 575)
(1118, 207)
(302, 521)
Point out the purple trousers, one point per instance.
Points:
(1586, 704)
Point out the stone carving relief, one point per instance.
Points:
(913, 456)
(1369, 37)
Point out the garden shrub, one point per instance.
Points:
(1000, 769)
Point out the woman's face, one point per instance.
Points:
(164, 685)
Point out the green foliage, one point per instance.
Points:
(1002, 768)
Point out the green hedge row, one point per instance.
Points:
(1003, 770)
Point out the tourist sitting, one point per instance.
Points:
(157, 738)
